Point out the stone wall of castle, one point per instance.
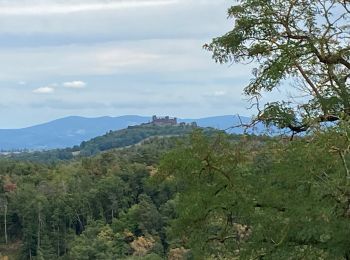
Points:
(164, 120)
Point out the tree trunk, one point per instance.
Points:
(5, 221)
(39, 227)
(58, 241)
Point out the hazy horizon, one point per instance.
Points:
(111, 58)
(108, 58)
(117, 116)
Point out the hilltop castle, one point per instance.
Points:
(164, 120)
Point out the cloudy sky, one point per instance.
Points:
(114, 57)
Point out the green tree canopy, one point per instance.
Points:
(307, 42)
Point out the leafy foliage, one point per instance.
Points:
(212, 197)
(273, 200)
(104, 207)
(306, 42)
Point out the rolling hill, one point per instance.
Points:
(71, 131)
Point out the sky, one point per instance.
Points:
(95, 58)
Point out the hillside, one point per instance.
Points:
(63, 132)
(118, 180)
(112, 140)
(112, 205)
(167, 197)
(71, 131)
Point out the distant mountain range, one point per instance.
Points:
(70, 131)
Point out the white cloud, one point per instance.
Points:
(216, 94)
(186, 18)
(22, 83)
(44, 90)
(219, 93)
(121, 53)
(75, 84)
(67, 7)
(73, 60)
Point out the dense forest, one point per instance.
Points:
(203, 196)
(111, 206)
(190, 193)
(103, 207)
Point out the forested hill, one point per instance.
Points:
(113, 205)
(47, 209)
(112, 140)
(71, 131)
(202, 197)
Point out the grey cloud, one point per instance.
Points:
(154, 104)
(130, 104)
(187, 19)
(49, 7)
(68, 105)
(140, 57)
(144, 60)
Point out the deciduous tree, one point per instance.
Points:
(306, 42)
